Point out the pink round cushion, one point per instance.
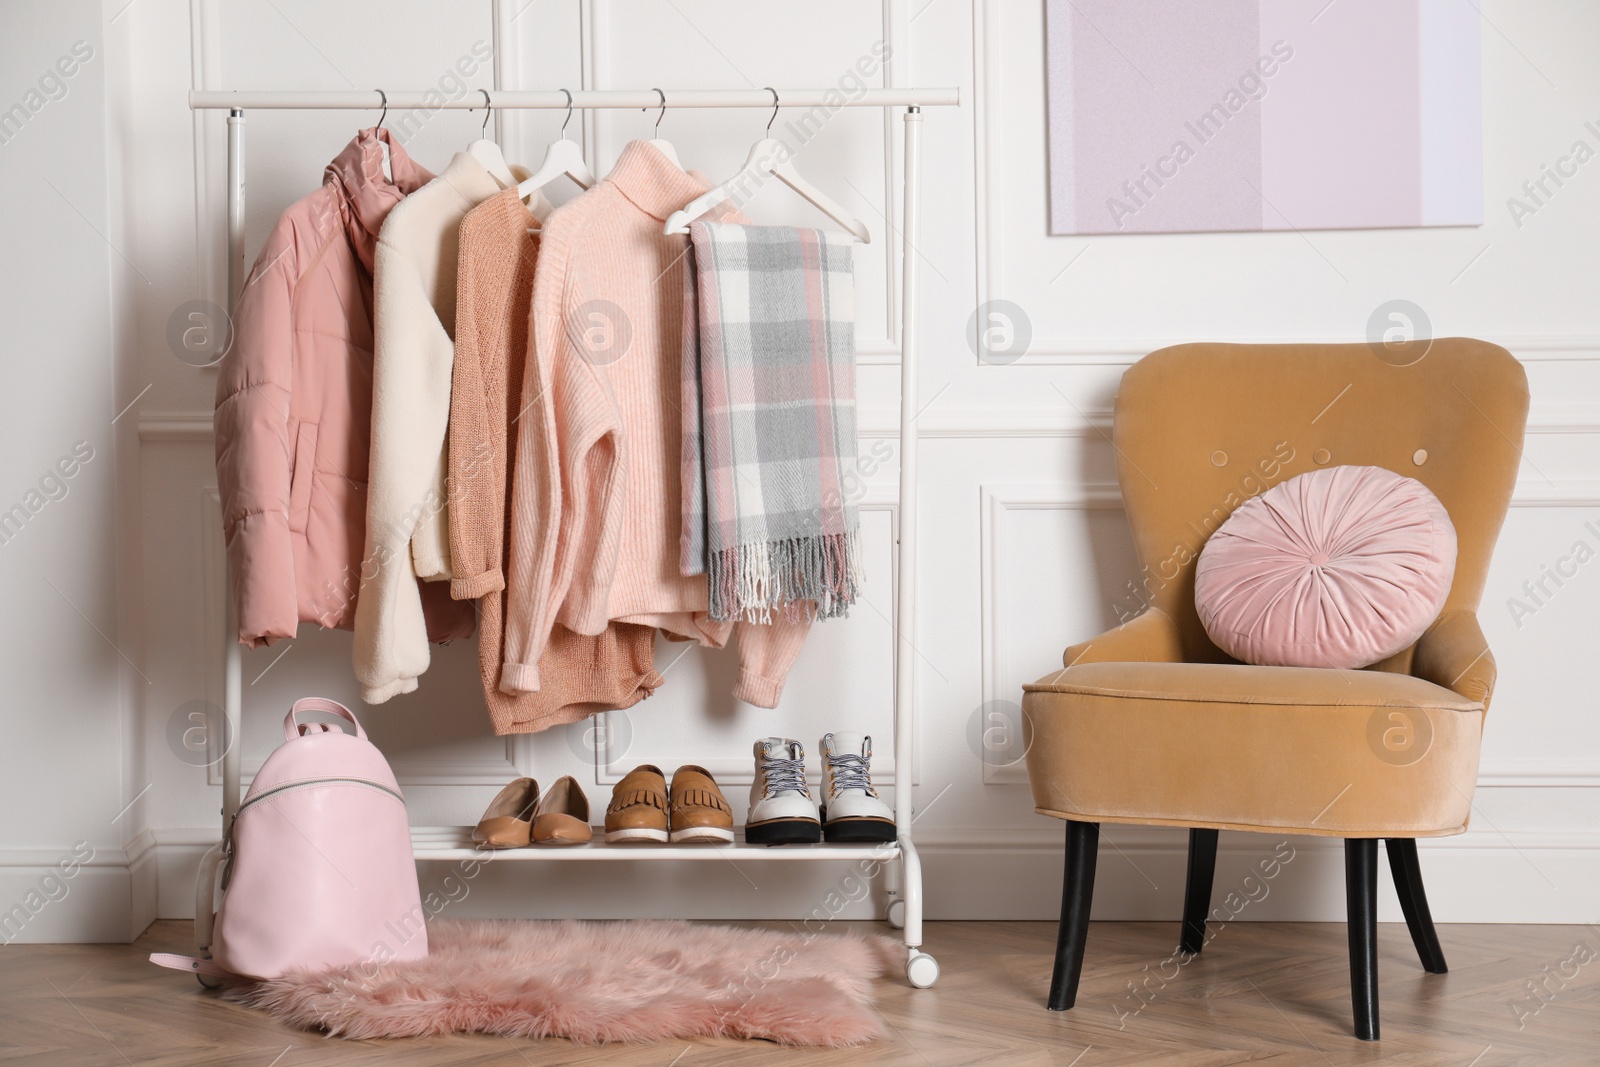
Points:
(1339, 567)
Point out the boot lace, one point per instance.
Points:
(850, 772)
(784, 774)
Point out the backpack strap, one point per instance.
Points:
(193, 965)
(293, 728)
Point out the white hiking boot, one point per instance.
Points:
(782, 811)
(851, 807)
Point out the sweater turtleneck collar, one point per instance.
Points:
(357, 172)
(651, 182)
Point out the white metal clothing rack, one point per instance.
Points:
(899, 860)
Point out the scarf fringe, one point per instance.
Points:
(798, 578)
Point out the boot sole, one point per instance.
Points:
(784, 832)
(862, 829)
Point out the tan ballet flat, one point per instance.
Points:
(562, 817)
(507, 821)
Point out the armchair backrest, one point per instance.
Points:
(1200, 428)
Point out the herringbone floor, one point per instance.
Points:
(1272, 993)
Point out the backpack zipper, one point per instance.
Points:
(227, 843)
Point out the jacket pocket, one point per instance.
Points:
(305, 453)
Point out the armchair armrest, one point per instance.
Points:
(1150, 637)
(1454, 654)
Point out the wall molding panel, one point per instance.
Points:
(208, 130)
(996, 503)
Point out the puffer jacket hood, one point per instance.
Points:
(294, 407)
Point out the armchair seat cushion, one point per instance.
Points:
(1340, 753)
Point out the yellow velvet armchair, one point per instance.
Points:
(1151, 724)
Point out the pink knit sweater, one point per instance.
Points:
(596, 500)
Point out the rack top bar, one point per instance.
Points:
(582, 99)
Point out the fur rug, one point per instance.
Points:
(592, 982)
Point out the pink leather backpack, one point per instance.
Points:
(318, 870)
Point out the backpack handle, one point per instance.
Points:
(293, 728)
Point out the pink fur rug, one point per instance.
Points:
(592, 982)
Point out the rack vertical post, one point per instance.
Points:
(232, 739)
(920, 967)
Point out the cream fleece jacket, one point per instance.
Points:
(414, 297)
(597, 494)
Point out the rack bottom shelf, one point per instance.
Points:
(454, 843)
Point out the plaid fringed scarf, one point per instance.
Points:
(769, 420)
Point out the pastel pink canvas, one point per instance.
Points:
(593, 982)
(1340, 567)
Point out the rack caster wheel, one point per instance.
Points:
(922, 970)
(896, 915)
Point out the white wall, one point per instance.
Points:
(1025, 549)
(71, 848)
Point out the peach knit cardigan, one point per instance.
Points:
(494, 287)
(596, 501)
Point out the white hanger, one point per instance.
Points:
(767, 157)
(563, 158)
(660, 143)
(383, 146)
(488, 154)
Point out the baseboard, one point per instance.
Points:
(78, 893)
(1479, 877)
(144, 884)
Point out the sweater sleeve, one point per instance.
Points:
(430, 545)
(255, 460)
(566, 489)
(410, 411)
(477, 464)
(767, 652)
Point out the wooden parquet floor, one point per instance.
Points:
(1263, 993)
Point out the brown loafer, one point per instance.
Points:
(508, 820)
(700, 813)
(562, 817)
(638, 810)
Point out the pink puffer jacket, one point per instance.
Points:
(294, 407)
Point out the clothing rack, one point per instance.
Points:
(902, 867)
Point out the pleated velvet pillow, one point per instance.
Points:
(1340, 567)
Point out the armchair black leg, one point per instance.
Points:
(1077, 892)
(1361, 910)
(1414, 902)
(1197, 890)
